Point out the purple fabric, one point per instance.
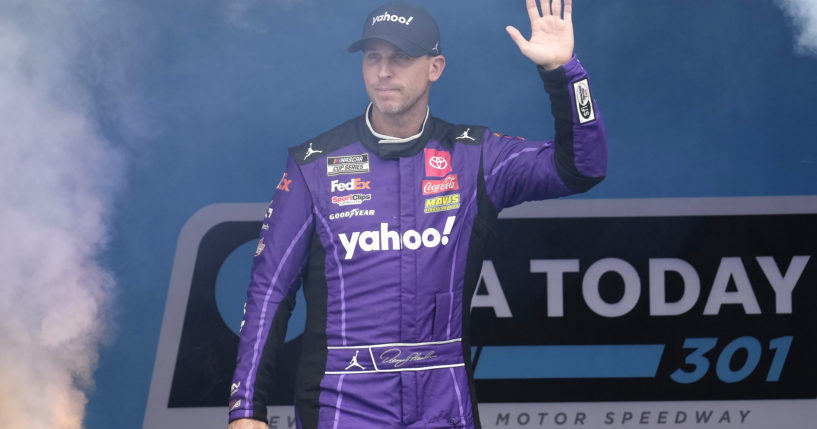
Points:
(337, 404)
(394, 234)
(590, 150)
(519, 170)
(284, 248)
(341, 283)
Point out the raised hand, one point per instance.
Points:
(551, 40)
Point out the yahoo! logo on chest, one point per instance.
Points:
(437, 162)
(385, 239)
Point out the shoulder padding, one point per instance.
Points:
(326, 143)
(466, 134)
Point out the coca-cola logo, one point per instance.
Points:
(438, 162)
(436, 186)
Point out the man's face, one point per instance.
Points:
(396, 82)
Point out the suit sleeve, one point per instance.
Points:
(518, 170)
(279, 259)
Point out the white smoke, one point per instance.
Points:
(236, 12)
(240, 13)
(803, 14)
(58, 176)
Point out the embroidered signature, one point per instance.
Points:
(392, 356)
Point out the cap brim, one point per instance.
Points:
(409, 48)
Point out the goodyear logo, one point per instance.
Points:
(443, 203)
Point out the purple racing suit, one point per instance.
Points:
(387, 236)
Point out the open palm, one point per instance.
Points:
(551, 41)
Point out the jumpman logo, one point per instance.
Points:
(436, 48)
(353, 362)
(310, 151)
(465, 135)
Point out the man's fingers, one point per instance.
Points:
(556, 8)
(568, 10)
(516, 36)
(533, 10)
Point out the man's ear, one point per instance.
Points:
(436, 67)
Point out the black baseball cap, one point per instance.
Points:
(407, 26)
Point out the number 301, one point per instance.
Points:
(723, 369)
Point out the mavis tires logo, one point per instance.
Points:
(385, 239)
(441, 204)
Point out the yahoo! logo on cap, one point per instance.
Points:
(391, 18)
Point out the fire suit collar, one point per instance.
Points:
(389, 147)
(389, 139)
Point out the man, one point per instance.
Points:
(386, 217)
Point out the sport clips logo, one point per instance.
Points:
(384, 239)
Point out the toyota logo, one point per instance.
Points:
(438, 162)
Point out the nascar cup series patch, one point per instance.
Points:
(347, 164)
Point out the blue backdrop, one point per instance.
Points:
(700, 99)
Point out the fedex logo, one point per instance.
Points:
(355, 184)
(385, 239)
(438, 162)
(283, 185)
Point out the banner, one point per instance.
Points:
(627, 313)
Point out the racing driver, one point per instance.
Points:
(384, 220)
